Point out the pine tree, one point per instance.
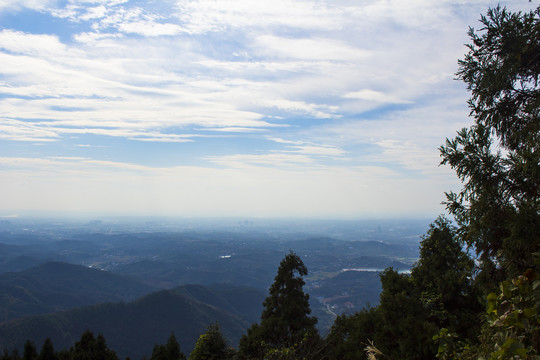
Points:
(285, 321)
(90, 348)
(169, 351)
(498, 161)
(47, 351)
(498, 157)
(30, 350)
(413, 307)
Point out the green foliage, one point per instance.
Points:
(91, 348)
(438, 293)
(212, 346)
(405, 330)
(444, 278)
(497, 158)
(512, 326)
(286, 309)
(513, 316)
(498, 209)
(349, 335)
(169, 351)
(501, 71)
(285, 321)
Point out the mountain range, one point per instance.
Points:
(131, 328)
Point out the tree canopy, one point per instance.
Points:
(285, 321)
(497, 158)
(413, 307)
(169, 351)
(212, 346)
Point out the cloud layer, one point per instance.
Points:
(319, 107)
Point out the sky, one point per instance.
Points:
(196, 108)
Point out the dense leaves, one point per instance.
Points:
(212, 346)
(444, 278)
(501, 70)
(169, 351)
(438, 293)
(498, 209)
(350, 334)
(285, 321)
(90, 348)
(497, 158)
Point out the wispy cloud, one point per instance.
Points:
(312, 99)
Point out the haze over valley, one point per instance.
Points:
(226, 265)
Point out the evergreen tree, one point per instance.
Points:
(47, 351)
(285, 321)
(444, 277)
(413, 307)
(30, 350)
(169, 351)
(498, 157)
(405, 330)
(350, 334)
(212, 346)
(91, 348)
(498, 161)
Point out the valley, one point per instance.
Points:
(58, 279)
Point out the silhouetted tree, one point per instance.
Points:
(30, 350)
(47, 351)
(285, 321)
(498, 157)
(169, 351)
(498, 161)
(350, 334)
(444, 277)
(90, 348)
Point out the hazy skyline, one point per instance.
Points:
(231, 107)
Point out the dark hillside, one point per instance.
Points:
(57, 286)
(244, 302)
(131, 329)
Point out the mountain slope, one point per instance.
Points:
(131, 329)
(56, 286)
(242, 301)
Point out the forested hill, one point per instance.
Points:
(132, 329)
(56, 286)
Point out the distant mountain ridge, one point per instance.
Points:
(56, 286)
(132, 329)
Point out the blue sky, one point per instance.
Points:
(231, 107)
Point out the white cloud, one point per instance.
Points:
(347, 100)
(17, 42)
(319, 150)
(11, 129)
(375, 96)
(233, 129)
(315, 110)
(315, 49)
(15, 5)
(150, 28)
(201, 16)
